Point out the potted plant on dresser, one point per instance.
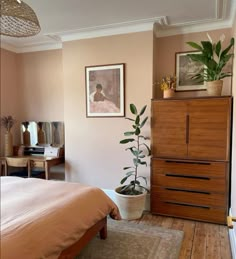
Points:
(168, 85)
(131, 197)
(214, 59)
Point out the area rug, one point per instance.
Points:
(128, 240)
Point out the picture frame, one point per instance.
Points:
(185, 69)
(105, 90)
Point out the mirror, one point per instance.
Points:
(58, 133)
(29, 133)
(42, 133)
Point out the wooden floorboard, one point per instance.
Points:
(201, 240)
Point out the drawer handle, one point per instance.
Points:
(186, 190)
(187, 129)
(188, 176)
(188, 204)
(187, 162)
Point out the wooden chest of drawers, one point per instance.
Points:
(190, 158)
(190, 189)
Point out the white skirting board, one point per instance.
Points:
(111, 195)
(232, 238)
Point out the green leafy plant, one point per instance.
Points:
(7, 122)
(214, 59)
(139, 149)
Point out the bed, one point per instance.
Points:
(50, 219)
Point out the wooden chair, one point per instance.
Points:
(22, 165)
(37, 169)
(25, 168)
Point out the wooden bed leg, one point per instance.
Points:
(103, 231)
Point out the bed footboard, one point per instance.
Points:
(73, 250)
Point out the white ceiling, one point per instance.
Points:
(63, 20)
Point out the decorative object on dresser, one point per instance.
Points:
(168, 85)
(131, 197)
(190, 158)
(185, 69)
(214, 59)
(7, 122)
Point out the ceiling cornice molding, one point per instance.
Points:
(112, 29)
(219, 22)
(39, 47)
(8, 47)
(191, 28)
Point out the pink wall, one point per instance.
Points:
(168, 46)
(41, 86)
(9, 97)
(93, 152)
(31, 87)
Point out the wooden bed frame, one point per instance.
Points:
(73, 250)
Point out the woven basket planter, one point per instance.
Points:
(8, 145)
(214, 88)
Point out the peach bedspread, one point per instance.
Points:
(41, 218)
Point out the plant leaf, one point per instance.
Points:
(129, 133)
(218, 48)
(124, 179)
(137, 120)
(137, 131)
(135, 182)
(143, 110)
(125, 187)
(194, 45)
(128, 167)
(133, 108)
(124, 141)
(148, 149)
(144, 178)
(143, 163)
(143, 122)
(129, 119)
(207, 47)
(228, 48)
(130, 173)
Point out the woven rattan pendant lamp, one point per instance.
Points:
(18, 19)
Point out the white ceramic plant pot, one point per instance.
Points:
(214, 88)
(130, 206)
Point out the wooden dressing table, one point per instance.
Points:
(36, 161)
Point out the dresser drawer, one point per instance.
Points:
(209, 214)
(190, 184)
(189, 168)
(190, 176)
(201, 199)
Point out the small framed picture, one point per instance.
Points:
(105, 90)
(185, 69)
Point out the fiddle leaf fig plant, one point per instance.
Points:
(139, 150)
(213, 57)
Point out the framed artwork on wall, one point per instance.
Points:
(105, 90)
(185, 69)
